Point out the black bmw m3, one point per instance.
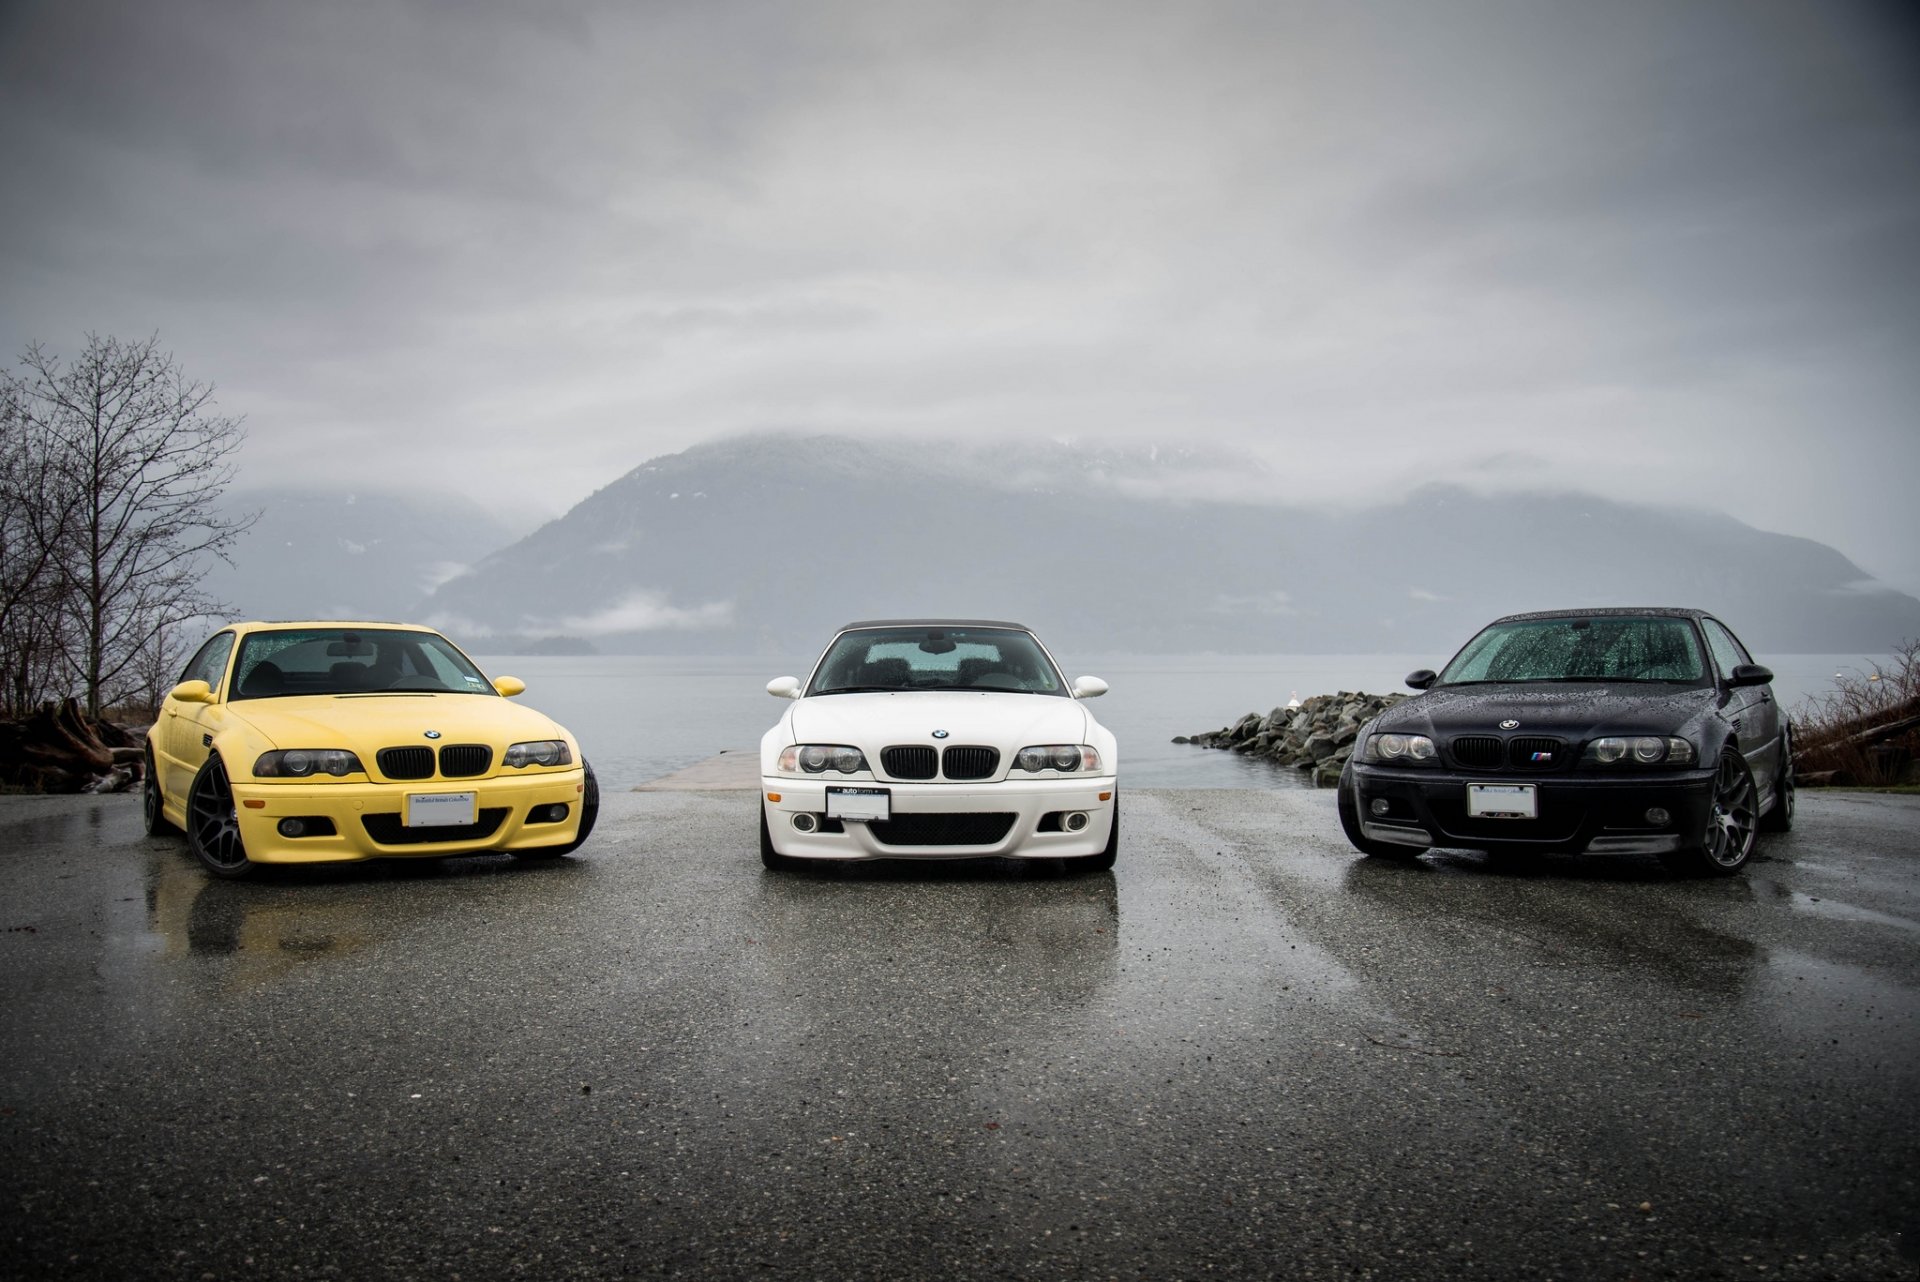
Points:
(1627, 731)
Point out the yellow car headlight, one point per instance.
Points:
(300, 763)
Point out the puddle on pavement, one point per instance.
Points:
(1839, 910)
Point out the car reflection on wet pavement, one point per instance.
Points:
(1246, 1051)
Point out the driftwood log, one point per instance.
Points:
(61, 749)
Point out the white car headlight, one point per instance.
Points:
(1068, 758)
(818, 758)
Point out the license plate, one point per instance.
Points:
(860, 804)
(1502, 801)
(439, 809)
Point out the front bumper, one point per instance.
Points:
(368, 818)
(946, 821)
(1595, 813)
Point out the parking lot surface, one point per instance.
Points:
(1245, 1053)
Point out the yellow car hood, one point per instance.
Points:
(365, 723)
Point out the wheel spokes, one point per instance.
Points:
(1731, 827)
(216, 824)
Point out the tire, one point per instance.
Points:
(213, 824)
(1349, 807)
(1732, 824)
(1779, 816)
(589, 815)
(152, 812)
(1106, 858)
(768, 855)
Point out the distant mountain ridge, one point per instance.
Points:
(765, 543)
(368, 554)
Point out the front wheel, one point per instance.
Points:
(213, 823)
(1779, 816)
(768, 855)
(1106, 858)
(1726, 844)
(589, 815)
(152, 812)
(1349, 807)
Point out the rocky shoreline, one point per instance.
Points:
(1315, 734)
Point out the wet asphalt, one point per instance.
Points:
(1245, 1053)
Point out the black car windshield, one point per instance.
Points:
(1607, 648)
(935, 658)
(352, 661)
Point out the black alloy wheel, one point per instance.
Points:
(1349, 808)
(1779, 816)
(1732, 823)
(213, 823)
(151, 811)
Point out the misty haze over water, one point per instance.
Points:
(639, 717)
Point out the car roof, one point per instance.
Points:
(1611, 611)
(933, 623)
(251, 626)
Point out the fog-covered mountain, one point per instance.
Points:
(766, 543)
(363, 555)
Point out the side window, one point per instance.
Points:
(210, 664)
(1728, 653)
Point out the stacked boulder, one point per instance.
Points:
(1316, 735)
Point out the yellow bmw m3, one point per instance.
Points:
(289, 743)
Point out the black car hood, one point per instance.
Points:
(1572, 711)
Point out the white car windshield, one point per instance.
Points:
(935, 658)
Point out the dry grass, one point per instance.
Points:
(1867, 729)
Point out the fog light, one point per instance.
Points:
(1074, 821)
(1658, 817)
(1380, 806)
(804, 822)
(293, 827)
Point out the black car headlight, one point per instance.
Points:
(1399, 750)
(1068, 758)
(300, 763)
(818, 758)
(538, 752)
(1639, 750)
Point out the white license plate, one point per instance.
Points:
(860, 804)
(1502, 801)
(439, 809)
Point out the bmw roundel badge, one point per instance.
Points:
(939, 734)
(433, 734)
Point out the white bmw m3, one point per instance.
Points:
(938, 739)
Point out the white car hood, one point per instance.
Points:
(995, 719)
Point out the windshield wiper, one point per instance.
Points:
(863, 690)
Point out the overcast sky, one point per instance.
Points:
(1666, 251)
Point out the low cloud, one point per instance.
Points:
(648, 612)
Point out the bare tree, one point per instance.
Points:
(134, 461)
(36, 512)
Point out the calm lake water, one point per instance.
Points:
(642, 716)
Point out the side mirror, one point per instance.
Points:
(509, 686)
(1749, 674)
(192, 692)
(784, 687)
(1088, 687)
(1421, 678)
